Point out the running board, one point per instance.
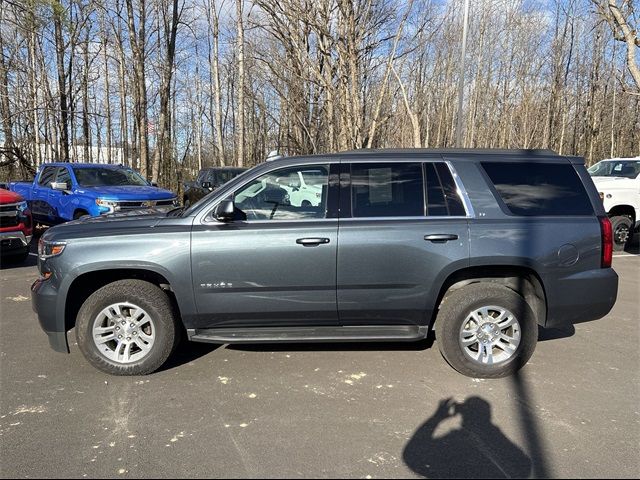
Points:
(377, 333)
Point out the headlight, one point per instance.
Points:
(50, 249)
(175, 202)
(23, 207)
(106, 206)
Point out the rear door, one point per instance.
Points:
(403, 228)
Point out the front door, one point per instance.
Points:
(274, 266)
(407, 229)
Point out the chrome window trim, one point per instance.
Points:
(206, 219)
(462, 192)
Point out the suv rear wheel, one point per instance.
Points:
(486, 330)
(127, 327)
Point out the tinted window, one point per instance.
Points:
(442, 193)
(539, 189)
(278, 195)
(387, 190)
(47, 176)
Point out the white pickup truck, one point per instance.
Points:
(618, 182)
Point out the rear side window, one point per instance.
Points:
(442, 193)
(387, 190)
(534, 189)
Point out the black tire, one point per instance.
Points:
(79, 214)
(306, 203)
(140, 293)
(622, 228)
(454, 312)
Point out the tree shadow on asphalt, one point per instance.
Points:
(478, 448)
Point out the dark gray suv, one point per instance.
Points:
(481, 246)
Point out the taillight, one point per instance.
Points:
(606, 233)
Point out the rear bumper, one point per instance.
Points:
(44, 303)
(581, 298)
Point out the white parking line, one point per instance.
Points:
(621, 255)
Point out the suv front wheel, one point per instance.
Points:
(485, 330)
(127, 327)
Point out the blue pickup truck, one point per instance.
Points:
(67, 191)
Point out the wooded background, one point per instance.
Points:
(169, 86)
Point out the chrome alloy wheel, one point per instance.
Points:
(490, 335)
(123, 333)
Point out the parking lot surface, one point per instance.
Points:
(367, 410)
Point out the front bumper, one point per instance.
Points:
(44, 303)
(14, 240)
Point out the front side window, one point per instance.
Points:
(279, 195)
(107, 177)
(64, 176)
(47, 176)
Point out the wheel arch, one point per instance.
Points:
(523, 280)
(88, 282)
(623, 210)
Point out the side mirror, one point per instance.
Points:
(62, 186)
(207, 185)
(225, 211)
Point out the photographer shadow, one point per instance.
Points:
(478, 449)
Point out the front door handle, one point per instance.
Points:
(311, 242)
(440, 237)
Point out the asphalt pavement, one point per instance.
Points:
(358, 411)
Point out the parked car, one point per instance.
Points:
(209, 179)
(618, 183)
(67, 191)
(16, 226)
(481, 246)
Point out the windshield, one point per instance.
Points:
(616, 168)
(108, 177)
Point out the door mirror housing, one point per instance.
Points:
(225, 211)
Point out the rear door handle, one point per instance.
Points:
(440, 237)
(311, 242)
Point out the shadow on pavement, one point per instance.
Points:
(187, 352)
(477, 448)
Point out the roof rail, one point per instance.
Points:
(472, 151)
